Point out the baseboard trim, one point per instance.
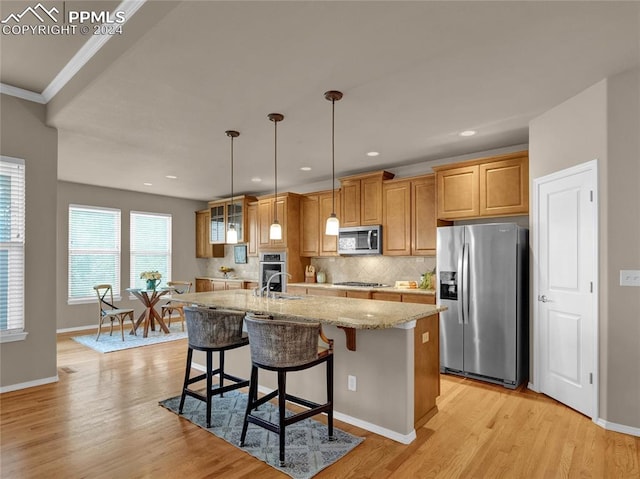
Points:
(28, 384)
(612, 426)
(77, 328)
(381, 431)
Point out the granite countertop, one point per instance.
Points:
(344, 312)
(389, 289)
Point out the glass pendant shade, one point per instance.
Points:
(333, 225)
(275, 231)
(232, 235)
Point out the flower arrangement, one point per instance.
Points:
(150, 275)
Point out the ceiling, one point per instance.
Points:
(156, 99)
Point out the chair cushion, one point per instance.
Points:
(280, 344)
(213, 328)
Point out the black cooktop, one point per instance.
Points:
(361, 284)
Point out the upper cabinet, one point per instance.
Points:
(252, 225)
(409, 220)
(361, 197)
(223, 214)
(204, 248)
(495, 186)
(287, 209)
(315, 208)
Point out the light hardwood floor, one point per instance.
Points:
(102, 420)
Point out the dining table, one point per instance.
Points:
(149, 298)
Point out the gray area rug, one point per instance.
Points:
(307, 451)
(109, 344)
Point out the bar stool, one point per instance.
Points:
(212, 330)
(284, 346)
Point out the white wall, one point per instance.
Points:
(184, 266)
(25, 135)
(603, 122)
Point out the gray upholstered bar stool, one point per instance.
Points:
(212, 330)
(284, 346)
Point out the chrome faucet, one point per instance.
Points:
(268, 286)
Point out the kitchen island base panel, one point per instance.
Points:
(385, 401)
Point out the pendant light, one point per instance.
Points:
(333, 224)
(232, 233)
(275, 231)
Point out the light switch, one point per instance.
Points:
(629, 277)
(425, 337)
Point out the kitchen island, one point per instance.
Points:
(395, 365)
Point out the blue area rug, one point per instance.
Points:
(109, 344)
(307, 451)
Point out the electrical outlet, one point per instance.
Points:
(629, 277)
(425, 337)
(351, 383)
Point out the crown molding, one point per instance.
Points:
(86, 53)
(82, 56)
(22, 93)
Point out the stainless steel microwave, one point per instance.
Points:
(360, 240)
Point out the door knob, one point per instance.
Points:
(542, 298)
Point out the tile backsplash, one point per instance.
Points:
(375, 268)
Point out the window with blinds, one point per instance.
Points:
(150, 246)
(94, 251)
(12, 226)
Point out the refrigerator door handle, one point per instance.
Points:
(460, 282)
(465, 282)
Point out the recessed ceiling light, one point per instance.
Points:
(255, 179)
(373, 153)
(147, 184)
(467, 133)
(171, 177)
(305, 168)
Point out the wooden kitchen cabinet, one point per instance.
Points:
(362, 198)
(409, 220)
(426, 377)
(315, 208)
(419, 298)
(204, 248)
(267, 208)
(487, 187)
(396, 218)
(252, 231)
(222, 215)
(423, 216)
(310, 225)
(458, 192)
(504, 187)
(213, 284)
(385, 296)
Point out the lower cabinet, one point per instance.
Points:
(351, 293)
(207, 284)
(426, 368)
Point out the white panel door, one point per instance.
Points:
(565, 311)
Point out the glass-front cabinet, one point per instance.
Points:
(224, 214)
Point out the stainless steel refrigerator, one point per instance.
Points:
(482, 273)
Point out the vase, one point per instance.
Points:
(152, 283)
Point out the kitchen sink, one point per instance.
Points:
(287, 296)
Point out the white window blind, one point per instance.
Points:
(12, 226)
(150, 246)
(94, 251)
